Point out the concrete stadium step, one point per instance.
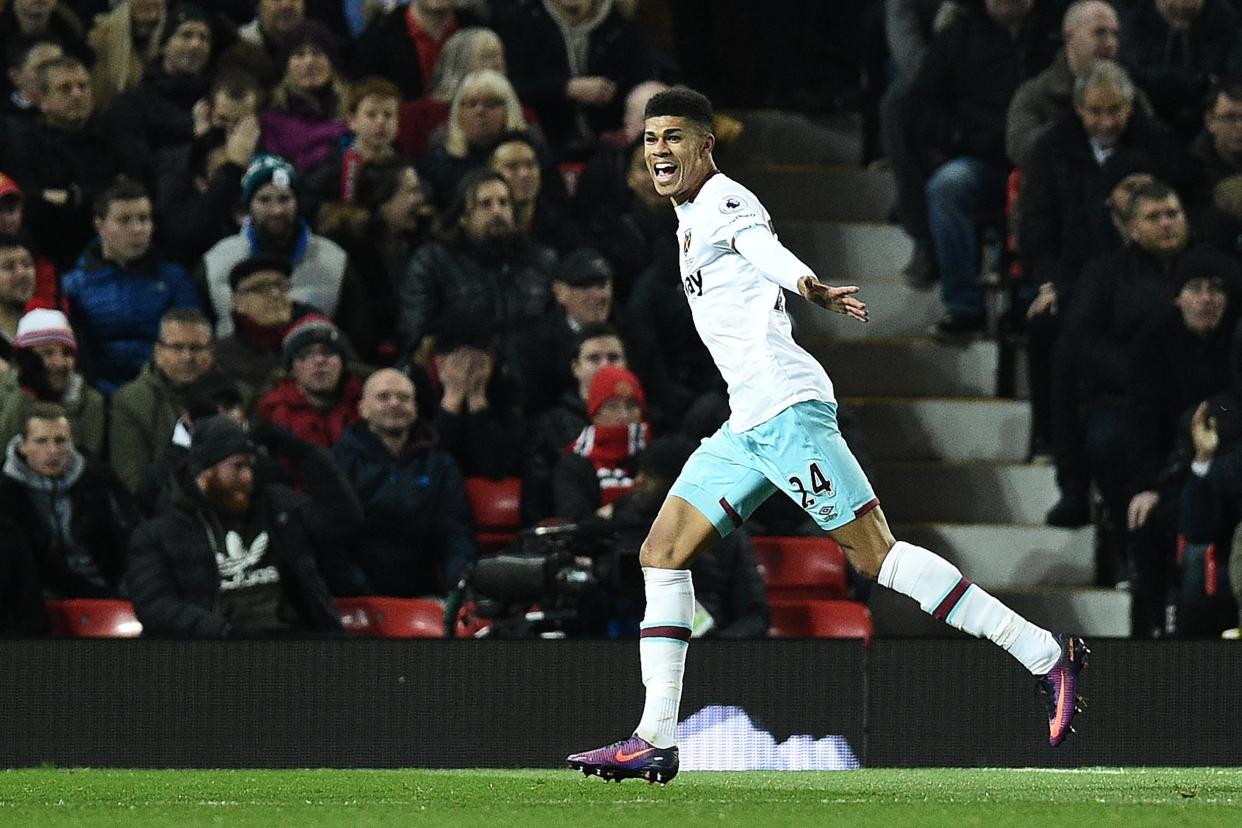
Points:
(1010, 557)
(930, 492)
(1092, 613)
(901, 366)
(848, 252)
(821, 193)
(953, 430)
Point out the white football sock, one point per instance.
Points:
(662, 648)
(943, 593)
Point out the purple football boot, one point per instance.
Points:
(1061, 688)
(631, 758)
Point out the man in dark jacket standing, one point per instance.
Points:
(419, 536)
(234, 560)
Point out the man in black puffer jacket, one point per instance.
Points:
(232, 560)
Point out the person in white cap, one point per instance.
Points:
(44, 369)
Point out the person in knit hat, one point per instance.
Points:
(321, 276)
(599, 465)
(232, 558)
(44, 369)
(319, 398)
(307, 117)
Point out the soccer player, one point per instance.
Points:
(781, 435)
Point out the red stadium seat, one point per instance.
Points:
(796, 568)
(392, 617)
(93, 618)
(497, 508)
(820, 619)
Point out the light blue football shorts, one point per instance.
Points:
(800, 452)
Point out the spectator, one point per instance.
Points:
(482, 266)
(322, 275)
(44, 369)
(599, 466)
(211, 394)
(484, 108)
(575, 61)
(404, 44)
(64, 159)
(1181, 361)
(479, 414)
(121, 288)
(319, 398)
(1174, 49)
(390, 219)
(23, 73)
(1209, 516)
(21, 598)
(956, 122)
(1218, 148)
(198, 209)
(419, 536)
(145, 411)
(727, 585)
(554, 429)
(47, 291)
(467, 50)
(233, 560)
(305, 120)
(1069, 163)
(258, 51)
(17, 287)
(72, 515)
(24, 23)
(263, 312)
(1117, 296)
(158, 109)
(125, 40)
(582, 288)
(909, 26)
(540, 210)
(1091, 31)
(372, 106)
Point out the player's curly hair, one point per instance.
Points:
(681, 102)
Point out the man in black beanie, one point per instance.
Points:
(230, 559)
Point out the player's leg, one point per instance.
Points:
(713, 495)
(943, 592)
(807, 450)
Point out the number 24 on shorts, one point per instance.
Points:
(819, 485)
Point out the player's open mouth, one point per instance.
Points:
(664, 171)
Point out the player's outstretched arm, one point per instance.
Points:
(837, 299)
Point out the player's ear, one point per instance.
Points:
(709, 143)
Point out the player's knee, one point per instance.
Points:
(661, 555)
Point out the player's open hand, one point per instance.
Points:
(837, 299)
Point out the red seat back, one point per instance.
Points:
(801, 567)
(820, 619)
(93, 618)
(497, 508)
(392, 617)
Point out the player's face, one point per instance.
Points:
(678, 154)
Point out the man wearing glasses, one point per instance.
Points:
(145, 411)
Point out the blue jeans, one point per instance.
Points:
(956, 193)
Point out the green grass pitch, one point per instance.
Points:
(1098, 797)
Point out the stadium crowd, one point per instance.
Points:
(278, 277)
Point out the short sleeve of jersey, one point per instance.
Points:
(733, 211)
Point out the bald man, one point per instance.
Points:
(419, 534)
(1092, 31)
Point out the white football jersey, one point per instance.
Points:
(739, 311)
